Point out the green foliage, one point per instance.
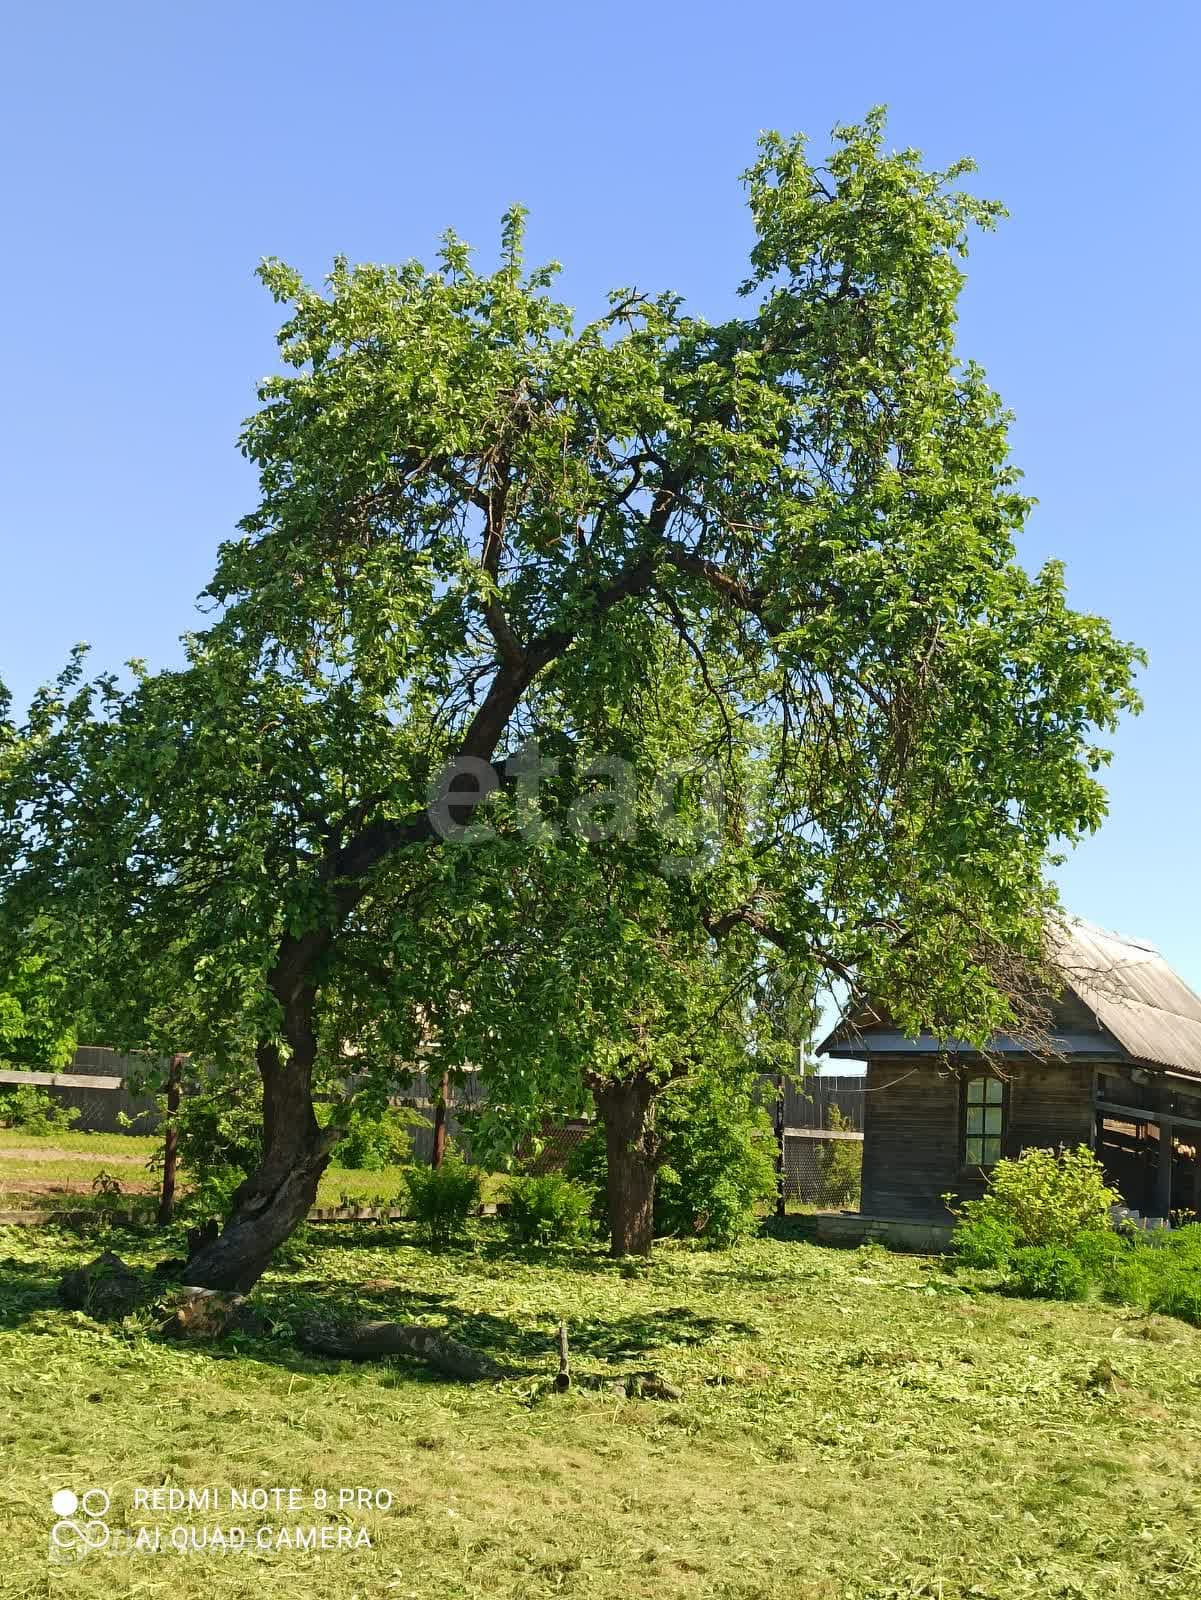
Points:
(220, 1122)
(376, 1139)
(719, 1160)
(1049, 1272)
(443, 1199)
(1156, 1271)
(1160, 1272)
(35, 1024)
(983, 1241)
(220, 1126)
(840, 1165)
(1045, 1197)
(34, 1111)
(548, 1209)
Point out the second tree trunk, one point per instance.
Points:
(627, 1111)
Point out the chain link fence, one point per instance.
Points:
(822, 1173)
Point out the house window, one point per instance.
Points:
(983, 1121)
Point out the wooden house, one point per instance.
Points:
(1121, 1072)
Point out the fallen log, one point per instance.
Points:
(368, 1341)
(372, 1341)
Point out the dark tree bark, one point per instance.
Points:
(627, 1110)
(166, 1204)
(439, 1151)
(277, 1197)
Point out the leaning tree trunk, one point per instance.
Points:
(275, 1199)
(626, 1109)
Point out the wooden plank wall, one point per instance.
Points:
(911, 1154)
(910, 1139)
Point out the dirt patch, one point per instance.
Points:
(45, 1186)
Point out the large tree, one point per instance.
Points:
(464, 498)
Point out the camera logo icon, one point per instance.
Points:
(81, 1528)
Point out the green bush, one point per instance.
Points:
(1049, 1272)
(986, 1241)
(375, 1140)
(1161, 1272)
(442, 1199)
(220, 1123)
(1158, 1271)
(720, 1161)
(840, 1165)
(548, 1210)
(35, 1112)
(1178, 1296)
(1044, 1197)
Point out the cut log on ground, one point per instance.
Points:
(373, 1341)
(368, 1341)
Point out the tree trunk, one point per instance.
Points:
(166, 1204)
(626, 1109)
(275, 1199)
(439, 1151)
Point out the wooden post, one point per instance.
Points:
(781, 1168)
(440, 1122)
(563, 1381)
(166, 1204)
(1163, 1170)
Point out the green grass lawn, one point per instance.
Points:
(852, 1424)
(67, 1165)
(88, 1144)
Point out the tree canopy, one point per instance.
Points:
(476, 515)
(36, 1024)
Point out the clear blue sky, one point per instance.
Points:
(153, 152)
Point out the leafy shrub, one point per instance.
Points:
(549, 1209)
(220, 1123)
(35, 1112)
(1161, 1272)
(442, 1199)
(1158, 1271)
(720, 1160)
(1102, 1253)
(375, 1139)
(1049, 1272)
(986, 1241)
(1044, 1197)
(1178, 1296)
(220, 1126)
(840, 1165)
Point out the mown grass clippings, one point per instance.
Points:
(845, 1429)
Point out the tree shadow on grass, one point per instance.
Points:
(26, 1287)
(30, 1290)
